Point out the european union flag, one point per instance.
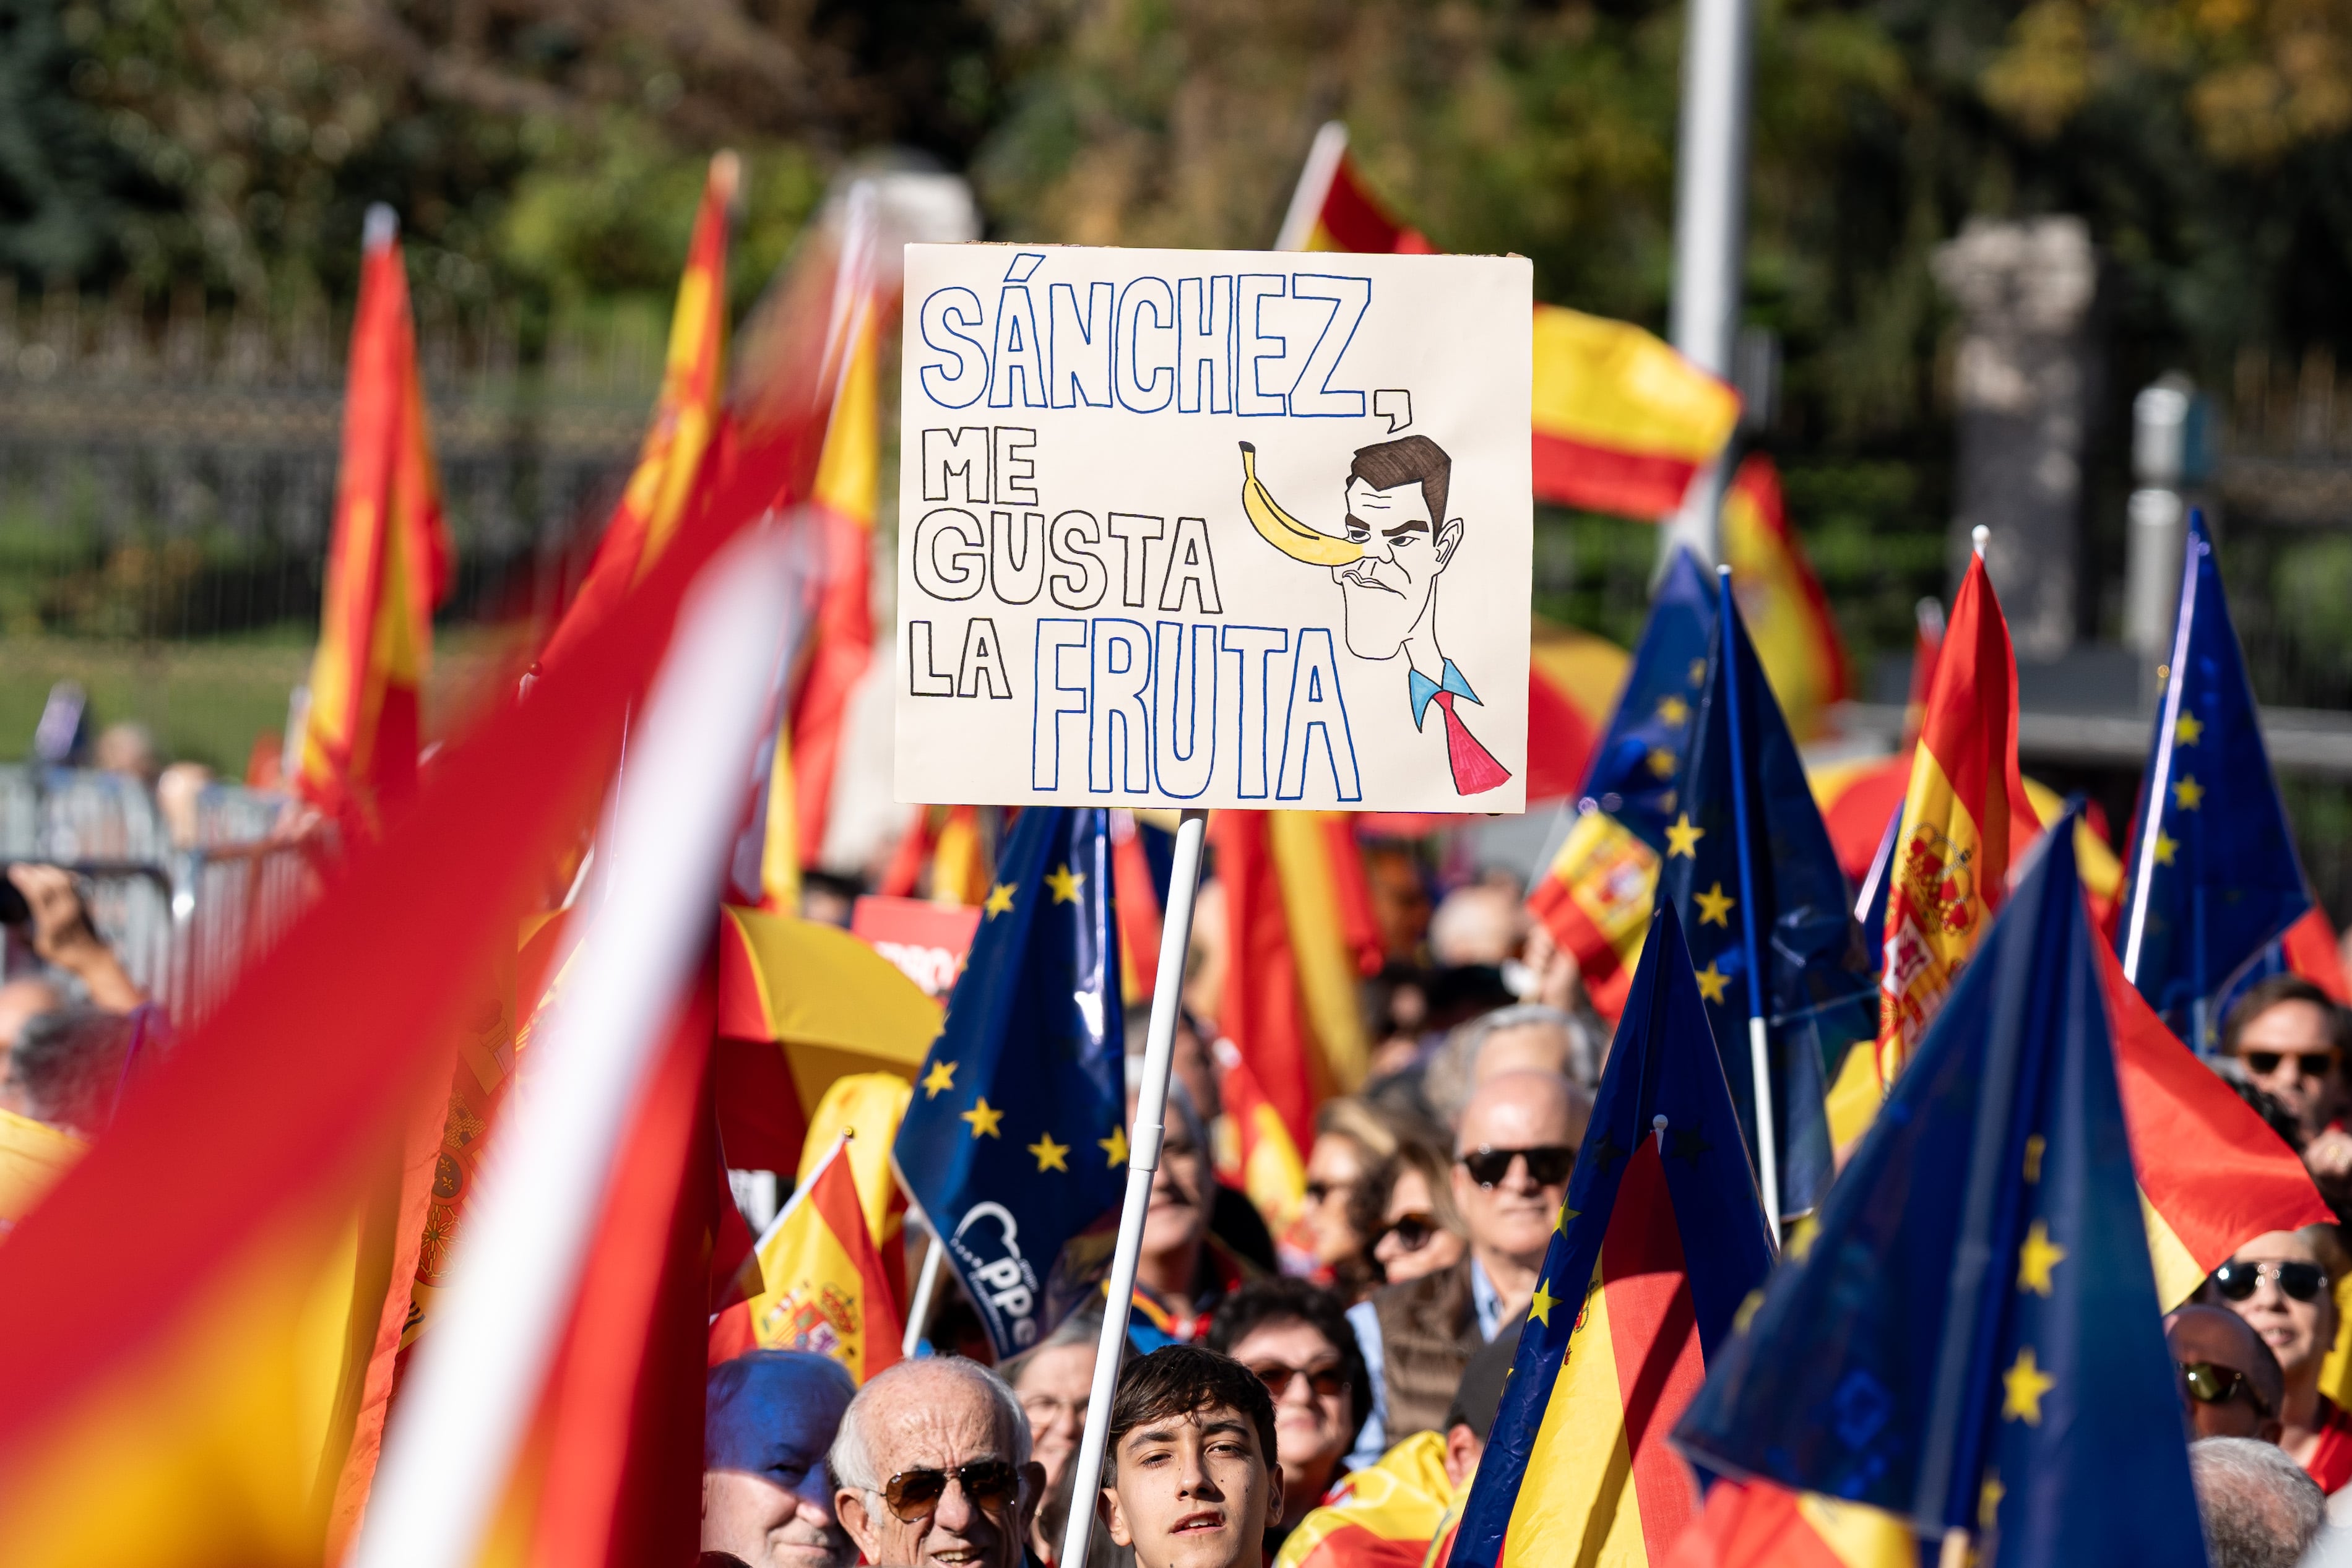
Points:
(2213, 875)
(1660, 1242)
(1017, 1142)
(1750, 869)
(1632, 773)
(1971, 1338)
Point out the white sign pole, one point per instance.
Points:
(1142, 1163)
(927, 1285)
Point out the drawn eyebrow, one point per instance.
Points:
(1412, 525)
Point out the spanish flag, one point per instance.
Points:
(1384, 1515)
(32, 1155)
(1573, 679)
(1254, 1150)
(1623, 423)
(387, 561)
(1755, 1524)
(1594, 899)
(826, 1290)
(1965, 818)
(1788, 615)
(687, 415)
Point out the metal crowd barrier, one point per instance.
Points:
(183, 920)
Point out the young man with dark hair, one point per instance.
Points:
(1190, 1478)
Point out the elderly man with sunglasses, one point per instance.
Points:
(2281, 1284)
(1514, 1147)
(932, 1468)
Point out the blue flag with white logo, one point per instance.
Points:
(1766, 882)
(2213, 876)
(1633, 774)
(1971, 1338)
(1014, 1149)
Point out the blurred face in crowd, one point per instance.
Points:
(1053, 1385)
(1536, 1118)
(1194, 1068)
(1411, 1242)
(1314, 1410)
(942, 1441)
(1193, 1492)
(2290, 1053)
(772, 1526)
(1525, 1047)
(2229, 1384)
(1181, 1194)
(2278, 1285)
(1335, 1167)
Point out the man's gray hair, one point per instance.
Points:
(851, 1461)
(2260, 1510)
(1453, 1070)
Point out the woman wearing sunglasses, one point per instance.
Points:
(2281, 1284)
(1294, 1337)
(1406, 1206)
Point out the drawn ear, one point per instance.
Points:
(1448, 538)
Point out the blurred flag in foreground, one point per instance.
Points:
(1573, 681)
(1970, 1340)
(1660, 1240)
(826, 1290)
(1966, 820)
(387, 560)
(1788, 614)
(1384, 1516)
(1015, 1143)
(1749, 870)
(2213, 873)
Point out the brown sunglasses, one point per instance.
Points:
(991, 1484)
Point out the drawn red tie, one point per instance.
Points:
(1475, 771)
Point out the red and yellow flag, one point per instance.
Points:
(1756, 1524)
(1384, 1516)
(1573, 679)
(826, 1289)
(2310, 950)
(687, 412)
(1966, 818)
(1332, 210)
(1788, 615)
(1254, 1150)
(1594, 898)
(387, 561)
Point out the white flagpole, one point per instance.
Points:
(927, 1285)
(453, 1440)
(1142, 1161)
(1313, 185)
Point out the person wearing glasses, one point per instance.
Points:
(1514, 1146)
(767, 1419)
(2291, 1038)
(2282, 1285)
(1294, 1337)
(931, 1469)
(1407, 1208)
(2231, 1385)
(1350, 1139)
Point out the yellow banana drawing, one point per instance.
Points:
(1285, 532)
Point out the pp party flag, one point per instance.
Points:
(1621, 421)
(387, 560)
(1660, 1240)
(1383, 1516)
(1015, 1143)
(1778, 957)
(1972, 1340)
(1965, 821)
(1788, 614)
(826, 1290)
(686, 419)
(2214, 876)
(1594, 896)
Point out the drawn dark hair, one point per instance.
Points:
(1389, 463)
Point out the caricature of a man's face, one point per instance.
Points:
(1388, 591)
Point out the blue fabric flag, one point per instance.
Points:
(1633, 776)
(1972, 1337)
(2212, 874)
(1014, 1149)
(1659, 1188)
(1820, 991)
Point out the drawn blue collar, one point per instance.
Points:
(1423, 689)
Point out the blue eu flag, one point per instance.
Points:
(1633, 776)
(1766, 882)
(1972, 1337)
(2213, 876)
(1015, 1145)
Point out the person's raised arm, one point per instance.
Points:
(64, 935)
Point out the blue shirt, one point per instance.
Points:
(1425, 690)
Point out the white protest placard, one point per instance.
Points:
(1213, 529)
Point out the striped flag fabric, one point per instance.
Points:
(1755, 1524)
(388, 562)
(1255, 1150)
(1661, 1240)
(1788, 614)
(1384, 1516)
(1332, 209)
(1573, 681)
(825, 1289)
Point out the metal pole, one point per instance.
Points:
(1710, 224)
(1759, 1046)
(1142, 1161)
(927, 1285)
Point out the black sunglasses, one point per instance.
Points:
(2307, 1063)
(2303, 1281)
(1277, 1378)
(2211, 1385)
(991, 1484)
(1412, 1231)
(1548, 1163)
